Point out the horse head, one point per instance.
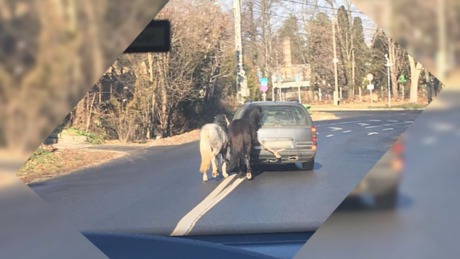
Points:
(254, 115)
(221, 120)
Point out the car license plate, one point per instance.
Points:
(284, 143)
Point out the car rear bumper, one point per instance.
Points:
(262, 156)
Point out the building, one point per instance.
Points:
(290, 80)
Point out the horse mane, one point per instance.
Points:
(254, 115)
(221, 120)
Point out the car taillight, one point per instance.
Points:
(314, 139)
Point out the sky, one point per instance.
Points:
(299, 8)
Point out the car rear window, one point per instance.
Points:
(278, 116)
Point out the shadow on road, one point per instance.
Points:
(260, 169)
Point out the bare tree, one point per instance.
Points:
(415, 70)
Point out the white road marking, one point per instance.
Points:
(375, 120)
(186, 224)
(347, 131)
(372, 133)
(335, 128)
(363, 124)
(387, 129)
(338, 123)
(328, 136)
(392, 120)
(385, 125)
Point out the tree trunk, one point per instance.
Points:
(89, 112)
(415, 69)
(153, 100)
(164, 97)
(360, 92)
(353, 71)
(393, 71)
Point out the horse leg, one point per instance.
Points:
(215, 169)
(225, 161)
(241, 168)
(224, 169)
(248, 167)
(205, 177)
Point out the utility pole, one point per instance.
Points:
(241, 82)
(335, 61)
(388, 65)
(441, 56)
(353, 71)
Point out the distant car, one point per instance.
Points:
(382, 182)
(287, 134)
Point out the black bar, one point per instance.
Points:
(156, 37)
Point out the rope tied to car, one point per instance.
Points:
(275, 152)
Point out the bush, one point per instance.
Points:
(91, 137)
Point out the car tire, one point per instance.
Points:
(388, 200)
(308, 166)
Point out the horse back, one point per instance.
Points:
(215, 135)
(241, 134)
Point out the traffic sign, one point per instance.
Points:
(370, 87)
(298, 78)
(402, 79)
(370, 77)
(264, 84)
(264, 81)
(259, 73)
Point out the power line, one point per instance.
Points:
(312, 21)
(320, 6)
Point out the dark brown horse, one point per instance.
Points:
(242, 134)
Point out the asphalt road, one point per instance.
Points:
(158, 190)
(425, 222)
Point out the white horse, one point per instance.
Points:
(214, 142)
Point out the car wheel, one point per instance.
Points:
(388, 200)
(308, 165)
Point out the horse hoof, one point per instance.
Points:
(214, 175)
(225, 175)
(249, 176)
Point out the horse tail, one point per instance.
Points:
(206, 153)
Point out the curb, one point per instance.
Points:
(364, 109)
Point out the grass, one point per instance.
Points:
(407, 106)
(40, 161)
(45, 164)
(91, 137)
(410, 106)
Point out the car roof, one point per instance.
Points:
(274, 103)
